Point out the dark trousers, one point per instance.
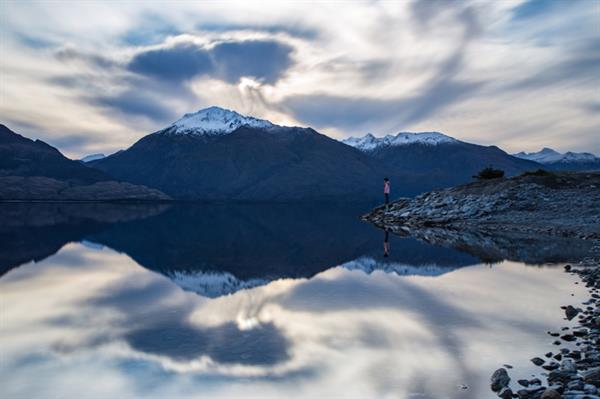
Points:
(387, 198)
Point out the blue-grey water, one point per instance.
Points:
(271, 300)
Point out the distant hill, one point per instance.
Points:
(34, 170)
(20, 156)
(569, 161)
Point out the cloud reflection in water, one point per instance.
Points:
(109, 327)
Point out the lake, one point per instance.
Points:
(264, 300)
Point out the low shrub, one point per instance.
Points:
(489, 173)
(539, 172)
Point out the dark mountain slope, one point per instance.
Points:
(449, 163)
(20, 156)
(275, 163)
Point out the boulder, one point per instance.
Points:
(499, 379)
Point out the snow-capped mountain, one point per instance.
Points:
(214, 121)
(92, 157)
(369, 265)
(370, 142)
(217, 154)
(548, 155)
(213, 284)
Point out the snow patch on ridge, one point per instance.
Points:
(370, 142)
(368, 265)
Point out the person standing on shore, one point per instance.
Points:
(386, 190)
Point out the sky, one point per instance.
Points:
(93, 77)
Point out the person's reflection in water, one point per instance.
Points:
(386, 244)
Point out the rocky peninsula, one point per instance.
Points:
(555, 204)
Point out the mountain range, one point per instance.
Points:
(218, 154)
(554, 160)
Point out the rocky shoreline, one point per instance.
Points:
(569, 373)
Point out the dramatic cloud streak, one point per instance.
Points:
(521, 74)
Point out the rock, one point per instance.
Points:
(568, 365)
(591, 376)
(560, 375)
(551, 366)
(537, 361)
(550, 394)
(580, 333)
(499, 379)
(589, 388)
(571, 312)
(568, 337)
(506, 393)
(523, 383)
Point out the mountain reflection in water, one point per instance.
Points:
(262, 300)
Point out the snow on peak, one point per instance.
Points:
(214, 121)
(92, 157)
(370, 142)
(548, 155)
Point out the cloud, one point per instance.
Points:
(263, 345)
(263, 60)
(178, 63)
(70, 54)
(294, 30)
(135, 103)
(153, 323)
(151, 29)
(34, 41)
(439, 92)
(535, 8)
(260, 59)
(579, 64)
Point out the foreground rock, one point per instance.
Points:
(38, 188)
(557, 204)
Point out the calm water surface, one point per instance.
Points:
(262, 301)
